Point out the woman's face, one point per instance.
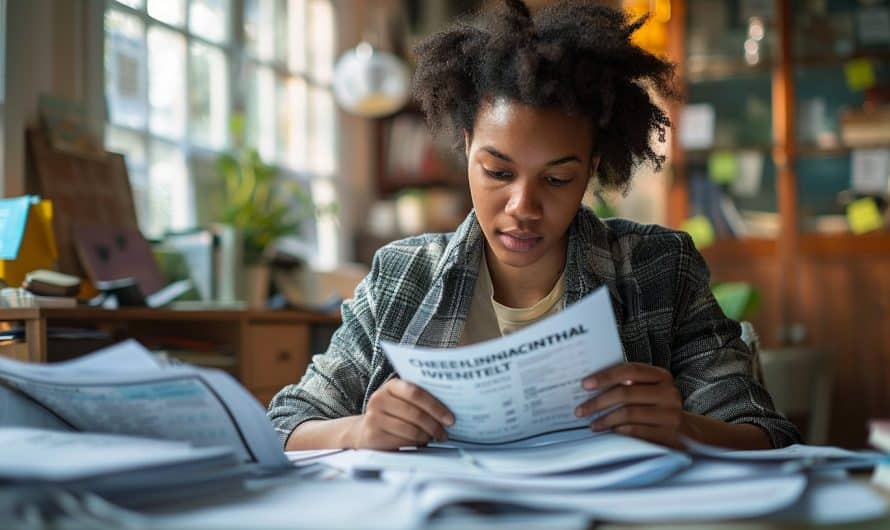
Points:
(528, 169)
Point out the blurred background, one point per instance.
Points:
(290, 121)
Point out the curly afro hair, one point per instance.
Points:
(574, 55)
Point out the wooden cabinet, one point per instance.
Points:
(781, 83)
(278, 355)
(265, 350)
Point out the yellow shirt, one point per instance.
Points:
(489, 319)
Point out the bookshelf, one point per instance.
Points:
(786, 101)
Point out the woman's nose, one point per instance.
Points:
(523, 203)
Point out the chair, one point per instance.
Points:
(799, 380)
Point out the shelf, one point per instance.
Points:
(841, 246)
(739, 249)
(837, 60)
(223, 315)
(715, 70)
(841, 150)
(698, 155)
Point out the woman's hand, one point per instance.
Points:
(649, 405)
(399, 414)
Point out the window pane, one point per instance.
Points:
(260, 129)
(128, 143)
(321, 39)
(208, 96)
(166, 74)
(324, 193)
(125, 68)
(135, 4)
(292, 122)
(210, 19)
(295, 39)
(322, 128)
(259, 20)
(170, 193)
(170, 11)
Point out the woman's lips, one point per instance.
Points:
(518, 242)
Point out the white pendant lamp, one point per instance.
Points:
(368, 81)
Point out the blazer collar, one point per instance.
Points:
(589, 265)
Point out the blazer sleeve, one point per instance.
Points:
(711, 364)
(335, 382)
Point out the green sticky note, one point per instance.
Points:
(860, 74)
(723, 167)
(700, 229)
(738, 300)
(864, 216)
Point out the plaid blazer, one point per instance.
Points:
(419, 289)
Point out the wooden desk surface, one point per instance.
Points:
(145, 313)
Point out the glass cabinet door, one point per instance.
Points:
(726, 126)
(842, 111)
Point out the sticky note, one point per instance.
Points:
(864, 216)
(860, 74)
(738, 300)
(700, 229)
(723, 167)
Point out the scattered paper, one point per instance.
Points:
(713, 501)
(835, 500)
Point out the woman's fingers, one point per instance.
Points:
(626, 374)
(422, 399)
(636, 394)
(662, 417)
(413, 415)
(408, 432)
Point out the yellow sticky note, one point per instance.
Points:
(860, 74)
(864, 216)
(700, 229)
(723, 167)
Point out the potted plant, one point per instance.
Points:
(261, 205)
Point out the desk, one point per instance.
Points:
(265, 350)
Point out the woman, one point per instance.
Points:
(539, 106)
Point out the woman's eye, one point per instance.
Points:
(499, 175)
(554, 181)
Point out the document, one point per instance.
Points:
(41, 455)
(521, 385)
(685, 503)
(205, 407)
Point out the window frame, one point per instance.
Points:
(238, 59)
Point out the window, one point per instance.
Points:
(176, 71)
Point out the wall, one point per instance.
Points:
(52, 47)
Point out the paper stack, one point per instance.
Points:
(879, 438)
(126, 470)
(120, 424)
